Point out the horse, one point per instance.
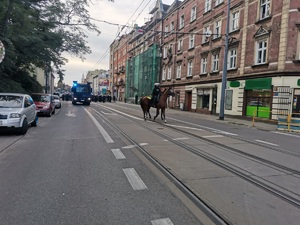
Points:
(145, 105)
(161, 105)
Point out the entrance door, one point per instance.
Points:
(188, 101)
(296, 103)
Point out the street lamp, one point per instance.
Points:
(224, 74)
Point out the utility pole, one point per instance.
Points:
(224, 74)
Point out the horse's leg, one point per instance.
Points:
(149, 113)
(157, 113)
(163, 115)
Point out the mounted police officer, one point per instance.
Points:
(155, 94)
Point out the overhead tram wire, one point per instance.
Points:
(127, 26)
(123, 26)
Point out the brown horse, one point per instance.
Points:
(145, 105)
(161, 105)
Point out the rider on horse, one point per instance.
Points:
(155, 94)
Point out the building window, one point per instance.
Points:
(204, 37)
(207, 6)
(234, 21)
(218, 2)
(261, 52)
(193, 13)
(217, 30)
(265, 10)
(181, 22)
(164, 74)
(192, 41)
(190, 68)
(166, 30)
(298, 45)
(165, 52)
(179, 45)
(172, 26)
(169, 73)
(204, 65)
(232, 59)
(178, 74)
(215, 63)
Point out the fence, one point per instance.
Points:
(289, 123)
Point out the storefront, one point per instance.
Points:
(258, 94)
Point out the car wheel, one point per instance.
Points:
(35, 122)
(49, 113)
(53, 111)
(24, 128)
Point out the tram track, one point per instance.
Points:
(253, 179)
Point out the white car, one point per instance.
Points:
(17, 111)
(57, 101)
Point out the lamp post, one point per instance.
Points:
(224, 74)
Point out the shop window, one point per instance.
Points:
(203, 96)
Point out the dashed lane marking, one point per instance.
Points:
(118, 154)
(268, 143)
(165, 221)
(134, 179)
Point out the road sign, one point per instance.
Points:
(2, 51)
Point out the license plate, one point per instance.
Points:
(37, 111)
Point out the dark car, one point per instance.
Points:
(45, 104)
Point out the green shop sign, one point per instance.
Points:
(258, 84)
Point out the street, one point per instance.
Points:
(103, 164)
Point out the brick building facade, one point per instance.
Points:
(263, 60)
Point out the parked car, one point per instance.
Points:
(57, 101)
(17, 111)
(45, 104)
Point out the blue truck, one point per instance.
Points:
(82, 93)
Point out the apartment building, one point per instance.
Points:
(263, 56)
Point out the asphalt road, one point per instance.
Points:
(65, 171)
(78, 167)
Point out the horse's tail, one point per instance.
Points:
(141, 101)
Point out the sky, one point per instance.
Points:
(121, 12)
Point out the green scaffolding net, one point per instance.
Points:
(142, 71)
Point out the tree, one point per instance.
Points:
(36, 33)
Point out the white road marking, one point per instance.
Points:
(105, 135)
(268, 143)
(134, 179)
(118, 154)
(134, 117)
(129, 146)
(143, 144)
(191, 128)
(212, 136)
(212, 129)
(183, 138)
(108, 113)
(292, 135)
(165, 221)
(70, 114)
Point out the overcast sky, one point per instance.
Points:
(120, 12)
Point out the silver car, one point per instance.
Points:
(17, 111)
(57, 101)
